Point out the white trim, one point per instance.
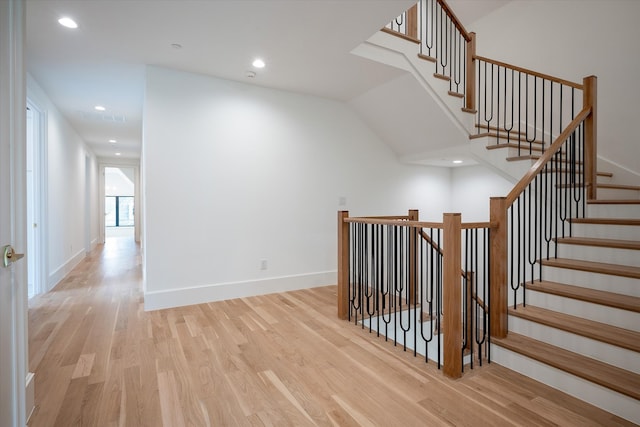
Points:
(13, 311)
(177, 297)
(62, 271)
(109, 163)
(30, 393)
(41, 187)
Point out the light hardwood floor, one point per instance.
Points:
(275, 360)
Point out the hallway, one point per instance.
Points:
(281, 359)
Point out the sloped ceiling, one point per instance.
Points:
(404, 115)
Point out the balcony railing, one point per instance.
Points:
(422, 285)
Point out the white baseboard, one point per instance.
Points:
(30, 395)
(156, 300)
(64, 269)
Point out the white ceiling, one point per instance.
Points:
(305, 43)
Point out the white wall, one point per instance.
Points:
(471, 189)
(65, 168)
(119, 181)
(234, 174)
(572, 39)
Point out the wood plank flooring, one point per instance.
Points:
(274, 360)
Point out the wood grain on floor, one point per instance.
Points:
(274, 360)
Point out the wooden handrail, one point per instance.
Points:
(530, 72)
(407, 223)
(471, 225)
(391, 217)
(546, 156)
(454, 19)
(400, 220)
(430, 241)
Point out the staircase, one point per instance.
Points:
(580, 329)
(577, 329)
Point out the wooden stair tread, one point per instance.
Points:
(604, 243)
(614, 202)
(594, 267)
(603, 186)
(514, 141)
(623, 338)
(401, 35)
(536, 157)
(619, 186)
(442, 77)
(494, 128)
(609, 376)
(512, 145)
(609, 299)
(607, 221)
(456, 94)
(427, 57)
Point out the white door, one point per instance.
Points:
(13, 296)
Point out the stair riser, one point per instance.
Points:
(599, 254)
(613, 211)
(604, 179)
(611, 401)
(596, 312)
(607, 353)
(616, 193)
(586, 279)
(606, 231)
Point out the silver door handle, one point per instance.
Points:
(9, 256)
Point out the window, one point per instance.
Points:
(118, 211)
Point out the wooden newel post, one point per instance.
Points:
(413, 256)
(452, 295)
(470, 90)
(412, 22)
(498, 267)
(590, 99)
(343, 265)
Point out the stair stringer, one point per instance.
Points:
(399, 53)
(402, 54)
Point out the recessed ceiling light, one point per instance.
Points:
(117, 154)
(113, 141)
(250, 74)
(258, 63)
(65, 21)
(457, 162)
(99, 108)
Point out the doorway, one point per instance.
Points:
(119, 203)
(36, 172)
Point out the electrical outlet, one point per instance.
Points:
(263, 264)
